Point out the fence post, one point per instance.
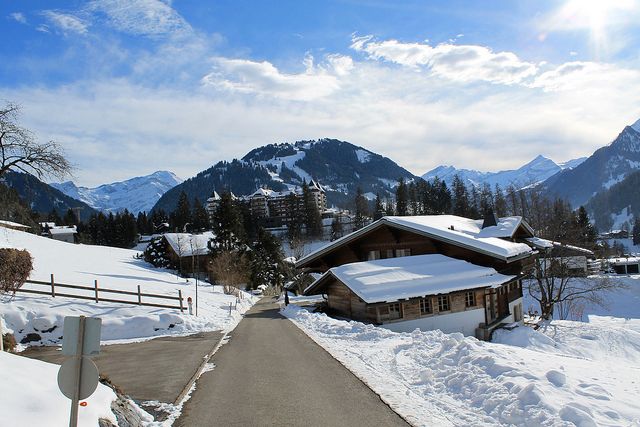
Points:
(95, 287)
(180, 296)
(53, 287)
(139, 296)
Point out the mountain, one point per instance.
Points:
(137, 194)
(608, 166)
(536, 171)
(339, 166)
(42, 197)
(612, 207)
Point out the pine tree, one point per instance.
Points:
(267, 261)
(227, 226)
(636, 231)
(295, 215)
(182, 214)
(361, 212)
(461, 204)
(336, 228)
(499, 202)
(312, 219)
(200, 219)
(379, 209)
(70, 218)
(402, 198)
(586, 232)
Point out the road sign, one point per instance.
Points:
(68, 377)
(91, 337)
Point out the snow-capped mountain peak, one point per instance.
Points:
(137, 194)
(636, 126)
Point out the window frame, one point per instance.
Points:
(442, 301)
(426, 301)
(473, 298)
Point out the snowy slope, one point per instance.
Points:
(537, 170)
(530, 378)
(114, 268)
(137, 194)
(30, 395)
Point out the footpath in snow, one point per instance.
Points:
(567, 375)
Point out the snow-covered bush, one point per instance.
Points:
(15, 268)
(156, 253)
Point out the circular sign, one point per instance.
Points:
(68, 377)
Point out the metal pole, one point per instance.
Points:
(75, 402)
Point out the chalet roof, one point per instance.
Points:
(559, 247)
(393, 279)
(11, 224)
(187, 244)
(455, 230)
(59, 230)
(624, 260)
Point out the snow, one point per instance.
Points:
(290, 163)
(137, 194)
(30, 395)
(624, 260)
(363, 155)
(186, 244)
(465, 231)
(11, 224)
(114, 268)
(527, 378)
(636, 126)
(505, 228)
(393, 279)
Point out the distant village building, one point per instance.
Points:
(575, 261)
(272, 208)
(61, 233)
(625, 265)
(189, 252)
(439, 271)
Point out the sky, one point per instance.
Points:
(129, 87)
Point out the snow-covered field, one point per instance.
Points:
(30, 396)
(115, 269)
(567, 373)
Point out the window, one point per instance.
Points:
(395, 311)
(373, 255)
(403, 252)
(470, 299)
(425, 306)
(443, 303)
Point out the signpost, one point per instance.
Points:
(78, 375)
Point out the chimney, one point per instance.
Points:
(490, 219)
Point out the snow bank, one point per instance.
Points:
(432, 378)
(29, 395)
(114, 269)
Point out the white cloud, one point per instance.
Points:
(18, 17)
(65, 22)
(464, 63)
(141, 17)
(586, 76)
(263, 78)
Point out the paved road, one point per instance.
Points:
(271, 374)
(151, 370)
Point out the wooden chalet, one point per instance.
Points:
(461, 274)
(188, 251)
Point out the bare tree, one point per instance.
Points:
(554, 284)
(230, 269)
(19, 149)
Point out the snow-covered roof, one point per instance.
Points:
(12, 224)
(187, 244)
(393, 279)
(47, 224)
(58, 230)
(624, 261)
(541, 243)
(452, 229)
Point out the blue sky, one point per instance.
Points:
(129, 87)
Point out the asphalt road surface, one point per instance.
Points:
(271, 374)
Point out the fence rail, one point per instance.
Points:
(97, 290)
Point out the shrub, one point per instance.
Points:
(9, 342)
(15, 268)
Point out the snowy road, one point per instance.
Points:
(271, 373)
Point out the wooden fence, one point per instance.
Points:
(96, 291)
